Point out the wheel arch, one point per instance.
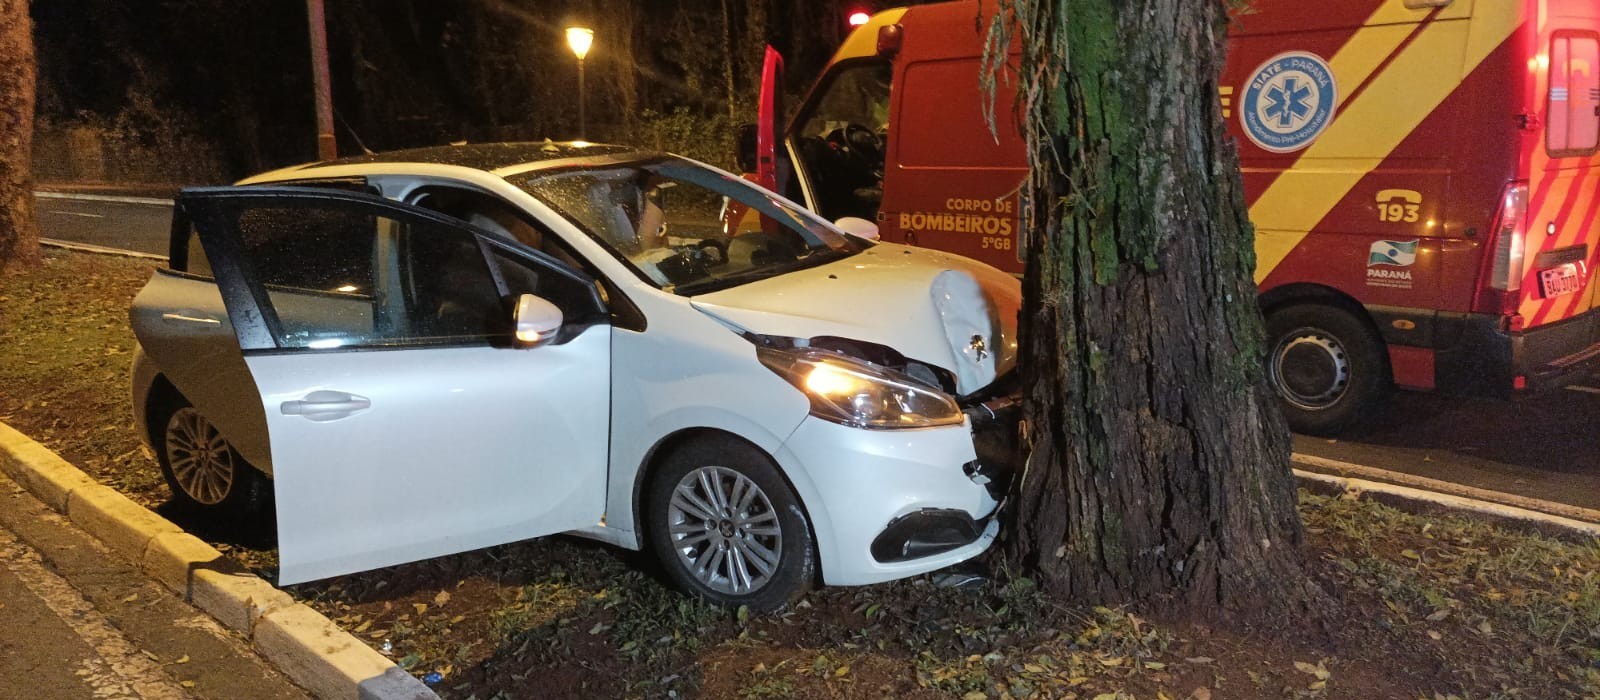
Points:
(1306, 293)
(161, 394)
(669, 444)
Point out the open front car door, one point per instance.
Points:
(405, 419)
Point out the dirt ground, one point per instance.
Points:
(1426, 607)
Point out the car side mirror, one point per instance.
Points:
(745, 149)
(858, 227)
(536, 320)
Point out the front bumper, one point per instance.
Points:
(857, 484)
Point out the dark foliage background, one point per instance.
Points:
(209, 90)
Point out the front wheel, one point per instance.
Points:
(1328, 368)
(727, 528)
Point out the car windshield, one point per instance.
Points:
(686, 228)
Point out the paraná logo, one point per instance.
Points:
(1396, 253)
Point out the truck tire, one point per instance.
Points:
(1328, 367)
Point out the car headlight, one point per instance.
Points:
(854, 393)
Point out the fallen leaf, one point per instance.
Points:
(840, 673)
(420, 607)
(131, 598)
(182, 660)
(186, 684)
(1317, 670)
(442, 598)
(1435, 636)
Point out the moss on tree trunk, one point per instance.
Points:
(1159, 471)
(19, 232)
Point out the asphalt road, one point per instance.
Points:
(1547, 447)
(137, 226)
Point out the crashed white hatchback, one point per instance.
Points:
(432, 351)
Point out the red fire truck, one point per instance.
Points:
(1422, 175)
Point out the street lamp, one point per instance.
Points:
(580, 39)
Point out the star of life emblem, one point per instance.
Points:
(1289, 101)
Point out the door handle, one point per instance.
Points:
(190, 319)
(323, 405)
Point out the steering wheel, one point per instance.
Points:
(858, 145)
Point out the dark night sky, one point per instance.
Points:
(234, 74)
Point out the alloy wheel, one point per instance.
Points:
(724, 530)
(201, 460)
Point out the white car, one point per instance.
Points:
(431, 351)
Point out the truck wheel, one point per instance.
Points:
(1328, 368)
(727, 528)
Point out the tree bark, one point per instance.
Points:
(19, 229)
(1159, 471)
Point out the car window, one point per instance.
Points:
(666, 219)
(340, 276)
(1574, 128)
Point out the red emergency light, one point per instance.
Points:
(858, 18)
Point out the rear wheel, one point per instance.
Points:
(1328, 368)
(204, 472)
(727, 527)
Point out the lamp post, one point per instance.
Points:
(327, 148)
(580, 39)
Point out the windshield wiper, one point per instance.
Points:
(712, 284)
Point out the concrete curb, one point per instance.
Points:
(1414, 499)
(99, 249)
(118, 199)
(1335, 467)
(307, 647)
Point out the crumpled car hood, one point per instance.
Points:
(944, 310)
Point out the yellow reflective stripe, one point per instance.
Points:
(1393, 105)
(864, 40)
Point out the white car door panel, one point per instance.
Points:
(459, 448)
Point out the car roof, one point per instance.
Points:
(488, 157)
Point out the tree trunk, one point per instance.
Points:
(19, 229)
(1159, 472)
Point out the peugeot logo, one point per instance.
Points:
(979, 348)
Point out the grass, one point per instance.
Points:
(1432, 607)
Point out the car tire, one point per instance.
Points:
(1328, 367)
(727, 528)
(205, 473)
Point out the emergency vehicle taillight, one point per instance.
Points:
(1511, 234)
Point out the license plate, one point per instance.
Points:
(1559, 280)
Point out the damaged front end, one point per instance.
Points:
(875, 387)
